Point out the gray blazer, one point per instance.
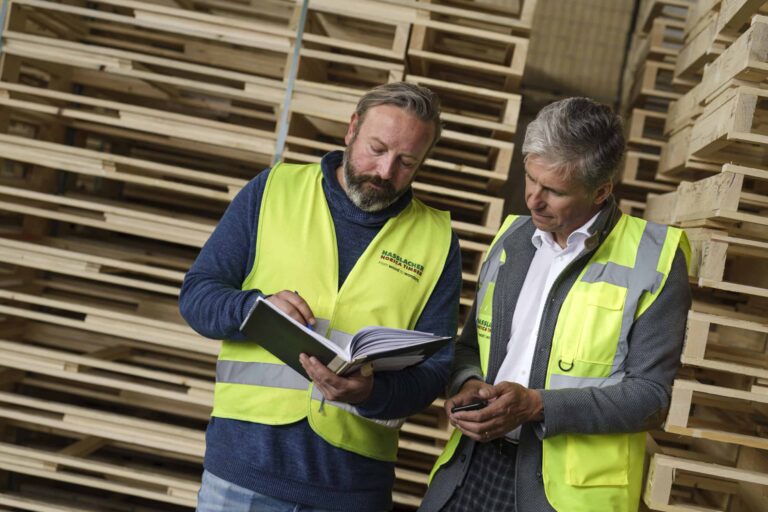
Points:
(655, 343)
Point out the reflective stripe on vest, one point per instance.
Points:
(621, 280)
(643, 277)
(296, 249)
(281, 376)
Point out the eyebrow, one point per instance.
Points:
(557, 191)
(408, 155)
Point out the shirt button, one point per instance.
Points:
(538, 475)
(462, 458)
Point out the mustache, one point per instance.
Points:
(375, 180)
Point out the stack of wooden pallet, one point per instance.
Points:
(648, 88)
(126, 127)
(713, 453)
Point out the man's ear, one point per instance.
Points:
(603, 191)
(351, 129)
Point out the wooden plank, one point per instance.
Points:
(100, 320)
(734, 14)
(745, 61)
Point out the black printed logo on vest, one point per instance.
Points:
(402, 265)
(483, 327)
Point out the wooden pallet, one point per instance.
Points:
(727, 341)
(674, 10)
(676, 163)
(700, 49)
(730, 129)
(683, 111)
(745, 62)
(653, 86)
(641, 171)
(674, 482)
(719, 413)
(728, 263)
(735, 15)
(733, 199)
(646, 130)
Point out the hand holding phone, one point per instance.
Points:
(474, 406)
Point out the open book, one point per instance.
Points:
(386, 348)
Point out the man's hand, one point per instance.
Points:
(468, 394)
(509, 406)
(294, 306)
(352, 389)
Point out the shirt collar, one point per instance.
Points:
(543, 237)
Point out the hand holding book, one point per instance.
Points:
(352, 388)
(388, 349)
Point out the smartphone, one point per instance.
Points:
(469, 407)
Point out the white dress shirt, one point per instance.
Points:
(547, 264)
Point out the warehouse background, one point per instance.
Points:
(126, 127)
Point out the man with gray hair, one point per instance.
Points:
(573, 340)
(318, 241)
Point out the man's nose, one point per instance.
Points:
(387, 166)
(534, 199)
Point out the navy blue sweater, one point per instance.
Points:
(291, 462)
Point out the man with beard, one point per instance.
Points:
(319, 242)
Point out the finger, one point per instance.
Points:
(317, 370)
(301, 306)
(471, 432)
(287, 308)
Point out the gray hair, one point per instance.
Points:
(418, 101)
(580, 137)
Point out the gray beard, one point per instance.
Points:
(369, 200)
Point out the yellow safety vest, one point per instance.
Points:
(582, 473)
(296, 250)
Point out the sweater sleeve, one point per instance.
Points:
(211, 299)
(655, 344)
(400, 394)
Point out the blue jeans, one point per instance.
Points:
(218, 495)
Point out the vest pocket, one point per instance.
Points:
(597, 460)
(601, 323)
